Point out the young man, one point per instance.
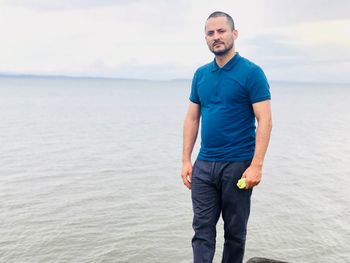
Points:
(227, 94)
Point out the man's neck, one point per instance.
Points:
(222, 60)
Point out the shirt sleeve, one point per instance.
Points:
(194, 90)
(257, 85)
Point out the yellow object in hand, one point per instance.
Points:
(241, 183)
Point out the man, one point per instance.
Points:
(227, 94)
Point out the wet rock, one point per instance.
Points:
(264, 260)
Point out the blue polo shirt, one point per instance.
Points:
(225, 96)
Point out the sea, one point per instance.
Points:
(90, 172)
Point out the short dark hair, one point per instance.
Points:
(223, 14)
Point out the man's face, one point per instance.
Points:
(219, 36)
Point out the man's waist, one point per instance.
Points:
(242, 153)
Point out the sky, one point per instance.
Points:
(292, 40)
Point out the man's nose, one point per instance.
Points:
(216, 36)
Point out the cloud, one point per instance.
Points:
(290, 12)
(45, 5)
(165, 39)
(305, 51)
(72, 39)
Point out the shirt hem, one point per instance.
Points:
(194, 101)
(225, 159)
(261, 99)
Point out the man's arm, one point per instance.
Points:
(190, 132)
(262, 111)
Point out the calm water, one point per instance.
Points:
(89, 172)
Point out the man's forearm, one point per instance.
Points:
(190, 132)
(263, 132)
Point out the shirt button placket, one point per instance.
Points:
(219, 73)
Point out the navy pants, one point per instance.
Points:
(214, 191)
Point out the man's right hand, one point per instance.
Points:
(186, 174)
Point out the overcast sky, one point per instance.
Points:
(291, 40)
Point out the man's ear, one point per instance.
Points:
(235, 34)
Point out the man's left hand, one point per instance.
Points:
(252, 176)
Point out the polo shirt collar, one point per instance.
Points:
(228, 65)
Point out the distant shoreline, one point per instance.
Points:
(32, 76)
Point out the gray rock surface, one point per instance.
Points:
(264, 260)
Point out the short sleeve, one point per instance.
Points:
(257, 85)
(194, 92)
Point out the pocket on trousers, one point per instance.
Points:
(194, 169)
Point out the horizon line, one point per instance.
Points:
(61, 76)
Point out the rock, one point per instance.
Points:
(264, 260)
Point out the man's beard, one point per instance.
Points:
(222, 52)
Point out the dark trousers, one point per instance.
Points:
(214, 191)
